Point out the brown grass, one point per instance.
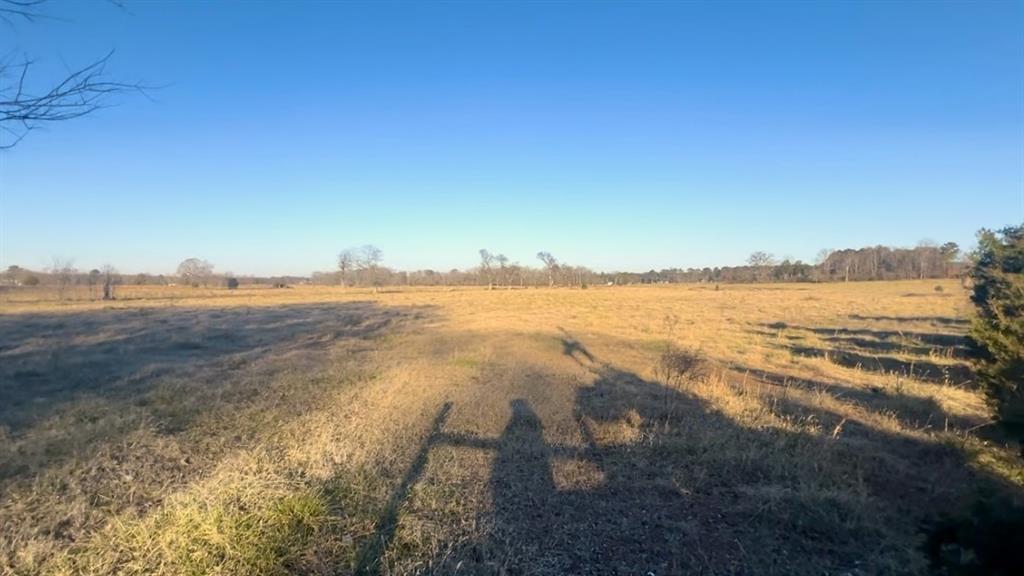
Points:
(327, 430)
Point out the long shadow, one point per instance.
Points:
(869, 349)
(50, 360)
(944, 320)
(943, 340)
(73, 384)
(683, 488)
(875, 346)
(575, 349)
(369, 559)
(913, 411)
(955, 374)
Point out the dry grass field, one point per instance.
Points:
(320, 430)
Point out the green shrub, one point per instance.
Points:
(997, 334)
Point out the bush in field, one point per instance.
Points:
(997, 334)
(231, 283)
(677, 366)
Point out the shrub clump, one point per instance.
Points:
(678, 366)
(997, 333)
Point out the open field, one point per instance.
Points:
(327, 430)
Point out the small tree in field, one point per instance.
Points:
(997, 334)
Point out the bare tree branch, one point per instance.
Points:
(29, 10)
(81, 92)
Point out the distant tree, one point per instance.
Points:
(368, 261)
(997, 333)
(93, 279)
(502, 261)
(950, 252)
(231, 283)
(760, 259)
(486, 267)
(346, 263)
(110, 279)
(550, 264)
(31, 280)
(194, 271)
(63, 272)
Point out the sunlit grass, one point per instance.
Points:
(293, 432)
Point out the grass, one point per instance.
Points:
(323, 430)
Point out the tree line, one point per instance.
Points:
(364, 266)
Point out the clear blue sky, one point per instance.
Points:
(618, 136)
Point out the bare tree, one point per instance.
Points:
(368, 261)
(551, 264)
(346, 262)
(110, 278)
(487, 267)
(194, 271)
(502, 261)
(64, 272)
(760, 259)
(24, 108)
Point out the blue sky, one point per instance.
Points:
(618, 136)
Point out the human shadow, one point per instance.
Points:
(677, 486)
(369, 559)
(574, 349)
(686, 489)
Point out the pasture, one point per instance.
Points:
(320, 430)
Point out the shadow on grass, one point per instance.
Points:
(953, 374)
(872, 350)
(943, 320)
(72, 383)
(49, 360)
(912, 411)
(682, 488)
